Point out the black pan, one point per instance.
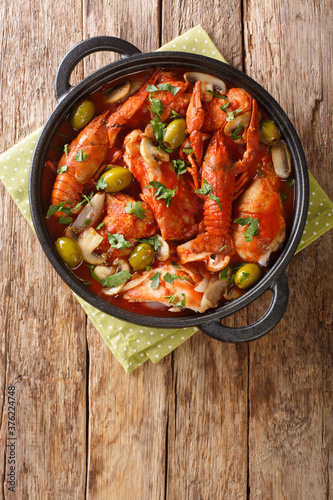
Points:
(132, 61)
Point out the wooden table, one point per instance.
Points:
(212, 420)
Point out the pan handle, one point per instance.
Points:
(83, 49)
(264, 325)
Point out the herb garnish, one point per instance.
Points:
(101, 183)
(60, 207)
(162, 192)
(62, 169)
(153, 241)
(290, 182)
(235, 135)
(65, 220)
(118, 241)
(93, 274)
(252, 230)
(260, 173)
(156, 106)
(208, 189)
(179, 167)
(155, 280)
(175, 114)
(163, 86)
(222, 248)
(171, 298)
(116, 279)
(224, 107)
(101, 224)
(182, 302)
(175, 265)
(244, 275)
(216, 95)
(170, 278)
(224, 273)
(87, 221)
(81, 156)
(136, 208)
(66, 149)
(188, 151)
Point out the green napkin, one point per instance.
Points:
(132, 344)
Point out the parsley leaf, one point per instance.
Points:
(151, 88)
(158, 128)
(222, 248)
(175, 114)
(101, 183)
(260, 173)
(148, 268)
(136, 208)
(235, 135)
(65, 220)
(179, 167)
(224, 273)
(231, 116)
(118, 241)
(93, 274)
(290, 182)
(155, 280)
(205, 189)
(157, 106)
(244, 275)
(170, 88)
(59, 207)
(175, 265)
(101, 224)
(152, 241)
(171, 298)
(170, 278)
(66, 149)
(87, 221)
(63, 169)
(116, 279)
(188, 151)
(283, 196)
(216, 95)
(224, 107)
(182, 302)
(252, 230)
(162, 192)
(81, 156)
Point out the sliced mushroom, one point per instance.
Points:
(88, 242)
(209, 84)
(244, 120)
(232, 294)
(281, 160)
(163, 251)
(91, 212)
(153, 156)
(213, 293)
(119, 92)
(103, 271)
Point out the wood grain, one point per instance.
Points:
(290, 428)
(43, 346)
(211, 421)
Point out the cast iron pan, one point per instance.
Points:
(132, 60)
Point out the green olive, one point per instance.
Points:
(247, 276)
(269, 133)
(175, 133)
(68, 251)
(117, 178)
(142, 255)
(82, 114)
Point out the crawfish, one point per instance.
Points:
(88, 151)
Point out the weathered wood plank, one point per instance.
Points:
(291, 369)
(207, 431)
(127, 413)
(43, 348)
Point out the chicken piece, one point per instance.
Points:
(176, 221)
(117, 221)
(261, 201)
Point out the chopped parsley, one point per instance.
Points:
(208, 189)
(63, 169)
(171, 298)
(116, 279)
(175, 265)
(188, 151)
(224, 107)
(118, 241)
(181, 303)
(87, 221)
(235, 135)
(260, 173)
(153, 241)
(101, 224)
(66, 149)
(290, 182)
(252, 230)
(216, 95)
(158, 128)
(60, 207)
(175, 114)
(283, 196)
(157, 106)
(224, 273)
(155, 280)
(163, 86)
(222, 248)
(162, 192)
(179, 167)
(55, 148)
(101, 183)
(136, 209)
(65, 220)
(93, 274)
(148, 268)
(81, 156)
(244, 275)
(170, 278)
